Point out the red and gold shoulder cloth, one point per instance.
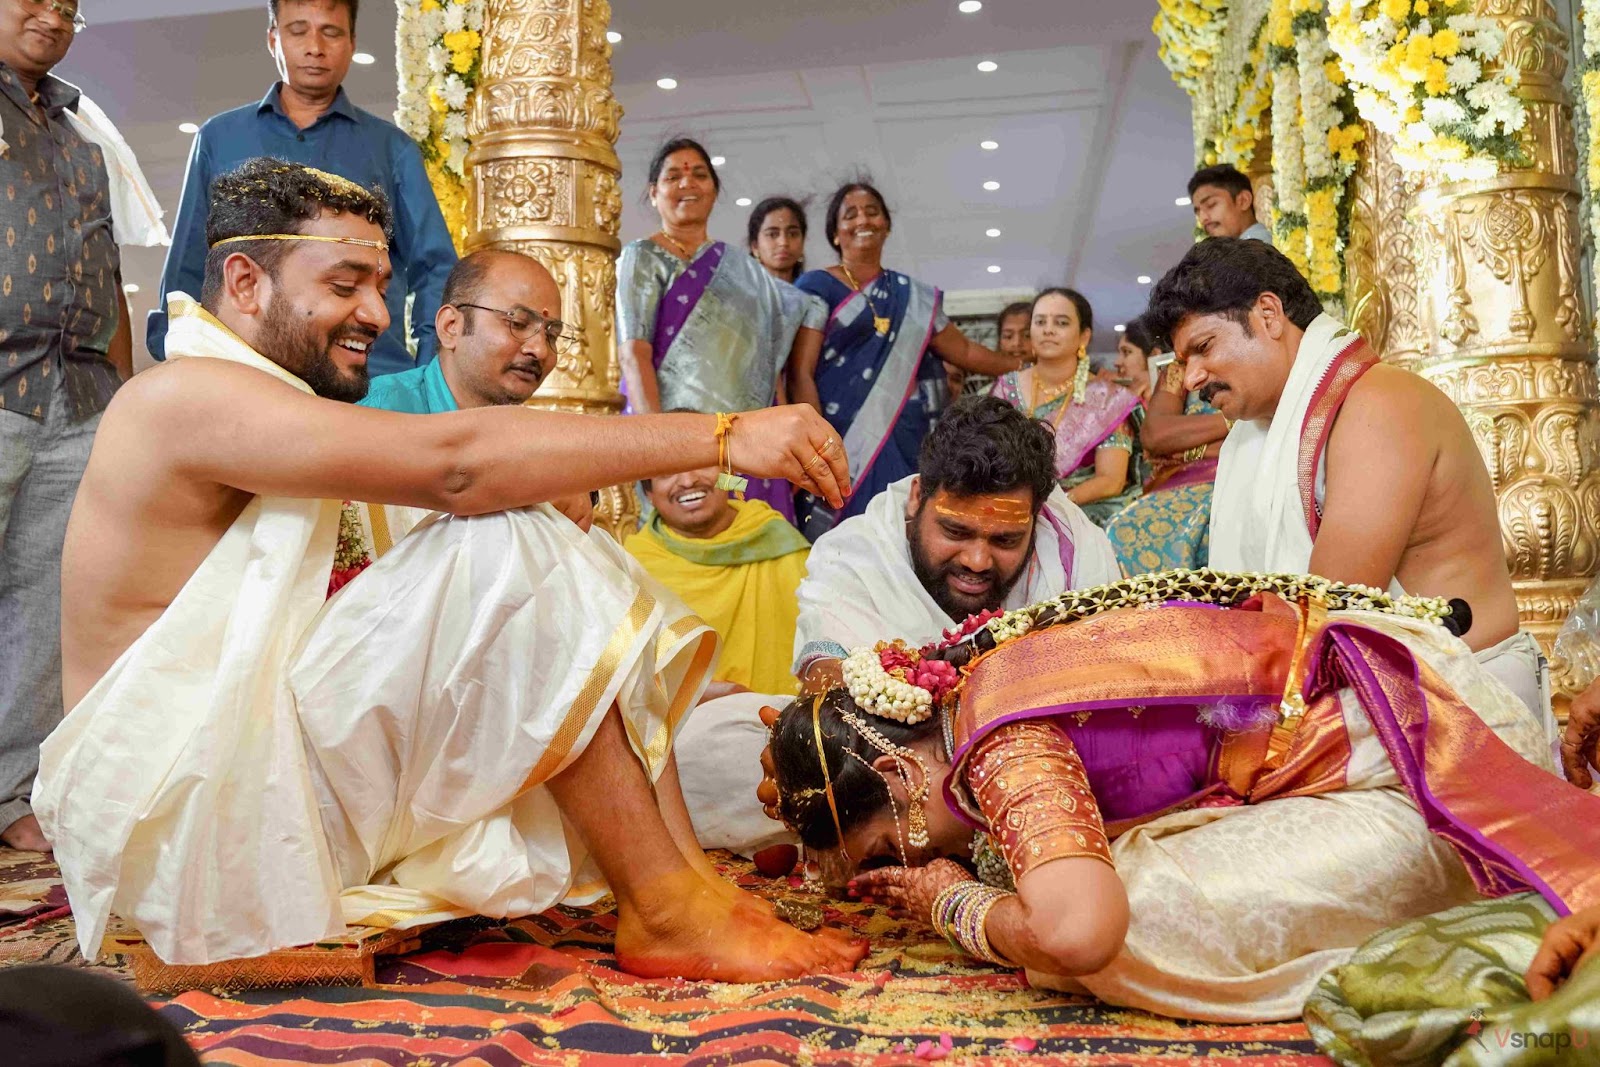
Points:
(1342, 374)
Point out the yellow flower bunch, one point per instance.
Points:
(1324, 269)
(463, 46)
(1342, 141)
(1189, 32)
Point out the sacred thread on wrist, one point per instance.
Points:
(727, 479)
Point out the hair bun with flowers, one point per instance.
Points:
(894, 681)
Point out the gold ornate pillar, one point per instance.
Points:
(1383, 257)
(1511, 339)
(543, 180)
(1263, 188)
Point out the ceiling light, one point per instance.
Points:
(991, 186)
(365, 59)
(992, 231)
(1182, 201)
(994, 268)
(613, 37)
(130, 287)
(743, 201)
(988, 146)
(666, 83)
(970, 7)
(1120, 328)
(1144, 279)
(188, 127)
(988, 66)
(717, 161)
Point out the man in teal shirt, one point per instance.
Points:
(499, 330)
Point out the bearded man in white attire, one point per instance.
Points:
(478, 721)
(1339, 464)
(981, 527)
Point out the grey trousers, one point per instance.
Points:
(41, 464)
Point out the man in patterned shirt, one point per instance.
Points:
(62, 314)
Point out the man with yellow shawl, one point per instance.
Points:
(248, 764)
(737, 564)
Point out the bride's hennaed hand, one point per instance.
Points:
(911, 889)
(795, 443)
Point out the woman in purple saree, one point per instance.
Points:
(1193, 793)
(879, 379)
(699, 329)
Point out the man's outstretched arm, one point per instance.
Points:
(226, 423)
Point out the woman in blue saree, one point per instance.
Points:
(879, 379)
(698, 328)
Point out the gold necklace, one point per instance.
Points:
(683, 253)
(879, 322)
(1037, 403)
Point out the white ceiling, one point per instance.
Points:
(1094, 137)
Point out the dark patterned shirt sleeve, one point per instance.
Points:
(58, 259)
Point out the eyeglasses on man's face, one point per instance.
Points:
(66, 10)
(523, 324)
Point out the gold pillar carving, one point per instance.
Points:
(544, 180)
(1383, 258)
(1262, 186)
(1511, 340)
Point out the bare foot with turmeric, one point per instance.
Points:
(24, 835)
(685, 927)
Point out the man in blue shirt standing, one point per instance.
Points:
(307, 118)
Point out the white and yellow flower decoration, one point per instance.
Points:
(1424, 72)
(1590, 84)
(440, 52)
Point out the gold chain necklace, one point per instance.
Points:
(683, 252)
(879, 322)
(1078, 383)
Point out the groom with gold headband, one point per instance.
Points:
(247, 766)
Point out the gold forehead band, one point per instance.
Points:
(364, 243)
(1004, 511)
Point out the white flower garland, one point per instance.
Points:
(1421, 73)
(881, 693)
(1288, 168)
(1328, 138)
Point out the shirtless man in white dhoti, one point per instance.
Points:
(1339, 465)
(465, 725)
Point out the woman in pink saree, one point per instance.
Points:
(1095, 421)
